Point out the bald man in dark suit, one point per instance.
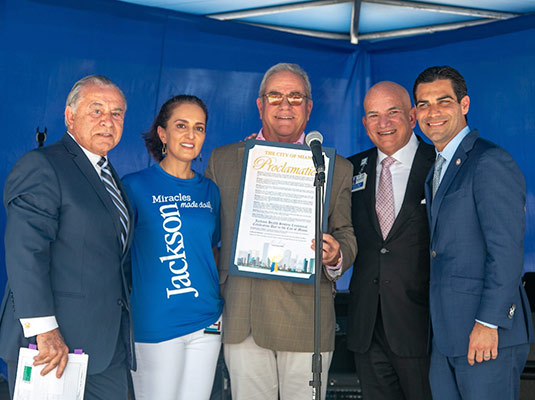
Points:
(388, 314)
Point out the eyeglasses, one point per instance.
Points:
(276, 98)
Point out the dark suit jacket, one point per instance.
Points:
(63, 253)
(477, 222)
(279, 314)
(394, 271)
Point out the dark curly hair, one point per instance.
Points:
(152, 140)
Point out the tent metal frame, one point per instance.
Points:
(484, 16)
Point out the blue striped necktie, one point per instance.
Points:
(115, 194)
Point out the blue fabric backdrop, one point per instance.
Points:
(498, 64)
(46, 45)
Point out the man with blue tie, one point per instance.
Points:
(67, 236)
(480, 315)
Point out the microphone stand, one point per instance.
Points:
(319, 183)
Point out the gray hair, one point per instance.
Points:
(286, 67)
(74, 94)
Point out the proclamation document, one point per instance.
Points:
(275, 221)
(30, 385)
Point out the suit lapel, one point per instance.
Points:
(89, 172)
(241, 152)
(456, 163)
(413, 192)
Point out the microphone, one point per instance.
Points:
(314, 141)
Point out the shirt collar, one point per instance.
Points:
(93, 158)
(301, 139)
(454, 143)
(405, 155)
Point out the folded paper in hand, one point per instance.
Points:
(30, 385)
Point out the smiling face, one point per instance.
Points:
(184, 133)
(388, 118)
(440, 116)
(96, 120)
(284, 122)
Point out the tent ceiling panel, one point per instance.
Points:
(334, 18)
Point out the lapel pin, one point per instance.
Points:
(458, 161)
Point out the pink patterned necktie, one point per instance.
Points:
(384, 199)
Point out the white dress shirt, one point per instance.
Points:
(400, 170)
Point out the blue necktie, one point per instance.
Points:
(115, 194)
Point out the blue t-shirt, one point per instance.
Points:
(175, 284)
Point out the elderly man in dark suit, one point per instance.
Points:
(388, 315)
(476, 197)
(67, 236)
(268, 324)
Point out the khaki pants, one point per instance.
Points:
(260, 374)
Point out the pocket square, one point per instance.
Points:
(423, 201)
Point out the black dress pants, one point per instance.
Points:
(386, 376)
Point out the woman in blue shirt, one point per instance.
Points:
(176, 304)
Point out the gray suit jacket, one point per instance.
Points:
(64, 256)
(279, 314)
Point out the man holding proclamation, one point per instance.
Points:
(268, 324)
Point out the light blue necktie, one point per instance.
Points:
(439, 162)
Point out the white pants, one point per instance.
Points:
(260, 374)
(177, 369)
